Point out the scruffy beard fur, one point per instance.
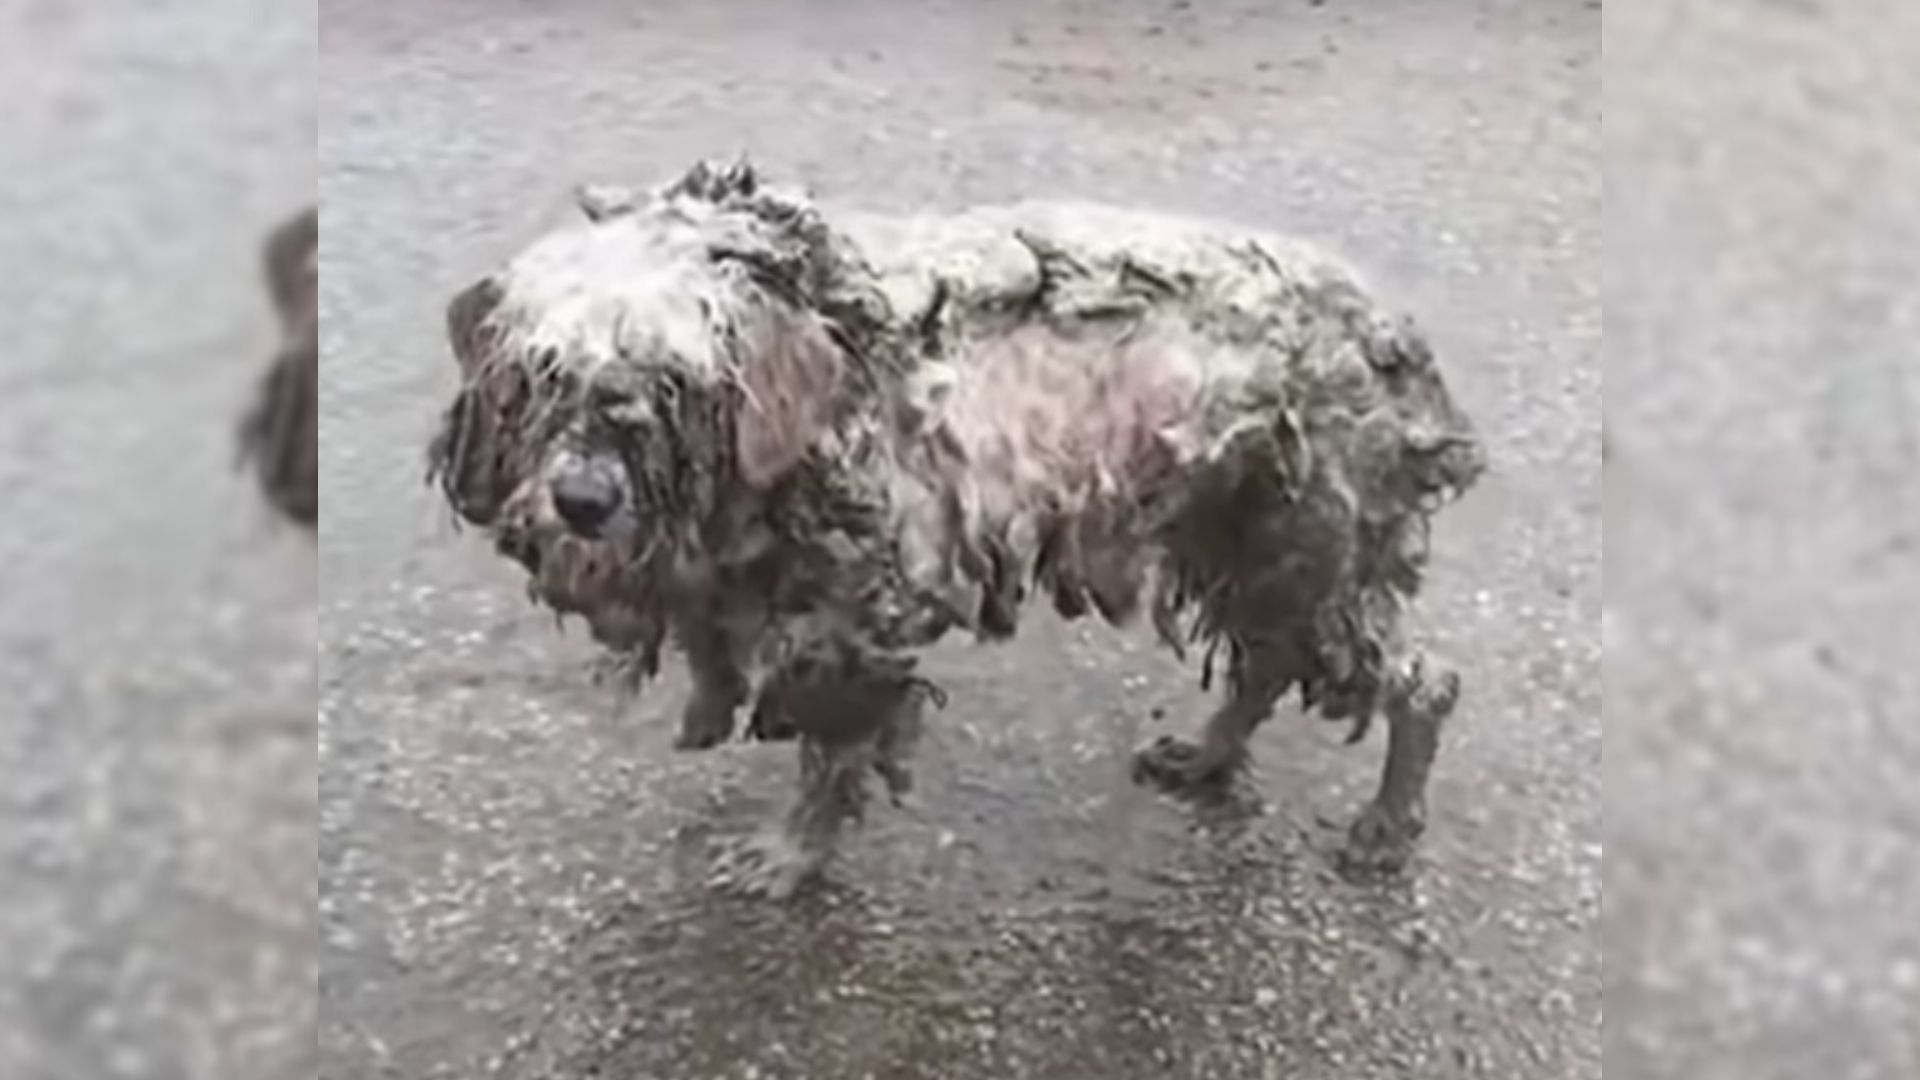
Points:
(277, 436)
(808, 445)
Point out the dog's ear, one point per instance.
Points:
(290, 255)
(779, 270)
(789, 372)
(467, 314)
(603, 202)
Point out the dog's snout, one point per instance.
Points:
(585, 497)
(1452, 459)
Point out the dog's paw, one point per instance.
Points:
(706, 722)
(766, 865)
(769, 722)
(1380, 842)
(1179, 767)
(692, 737)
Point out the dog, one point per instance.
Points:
(715, 415)
(278, 433)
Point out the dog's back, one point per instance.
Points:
(1085, 372)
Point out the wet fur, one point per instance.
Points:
(841, 442)
(278, 435)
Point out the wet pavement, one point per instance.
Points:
(157, 625)
(512, 861)
(1763, 416)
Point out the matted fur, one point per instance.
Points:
(869, 432)
(277, 437)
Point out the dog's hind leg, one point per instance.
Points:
(1416, 702)
(1257, 678)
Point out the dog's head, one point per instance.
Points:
(623, 377)
(1414, 448)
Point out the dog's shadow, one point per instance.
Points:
(1130, 931)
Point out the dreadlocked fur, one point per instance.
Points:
(277, 436)
(707, 413)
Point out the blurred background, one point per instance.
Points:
(157, 623)
(1763, 510)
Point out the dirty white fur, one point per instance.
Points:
(825, 424)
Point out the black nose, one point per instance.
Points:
(585, 498)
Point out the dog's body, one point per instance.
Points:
(707, 412)
(277, 437)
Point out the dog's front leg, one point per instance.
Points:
(855, 711)
(1417, 703)
(717, 644)
(1258, 679)
(775, 861)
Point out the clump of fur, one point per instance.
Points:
(278, 434)
(871, 432)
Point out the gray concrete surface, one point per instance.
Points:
(512, 865)
(157, 813)
(1763, 420)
